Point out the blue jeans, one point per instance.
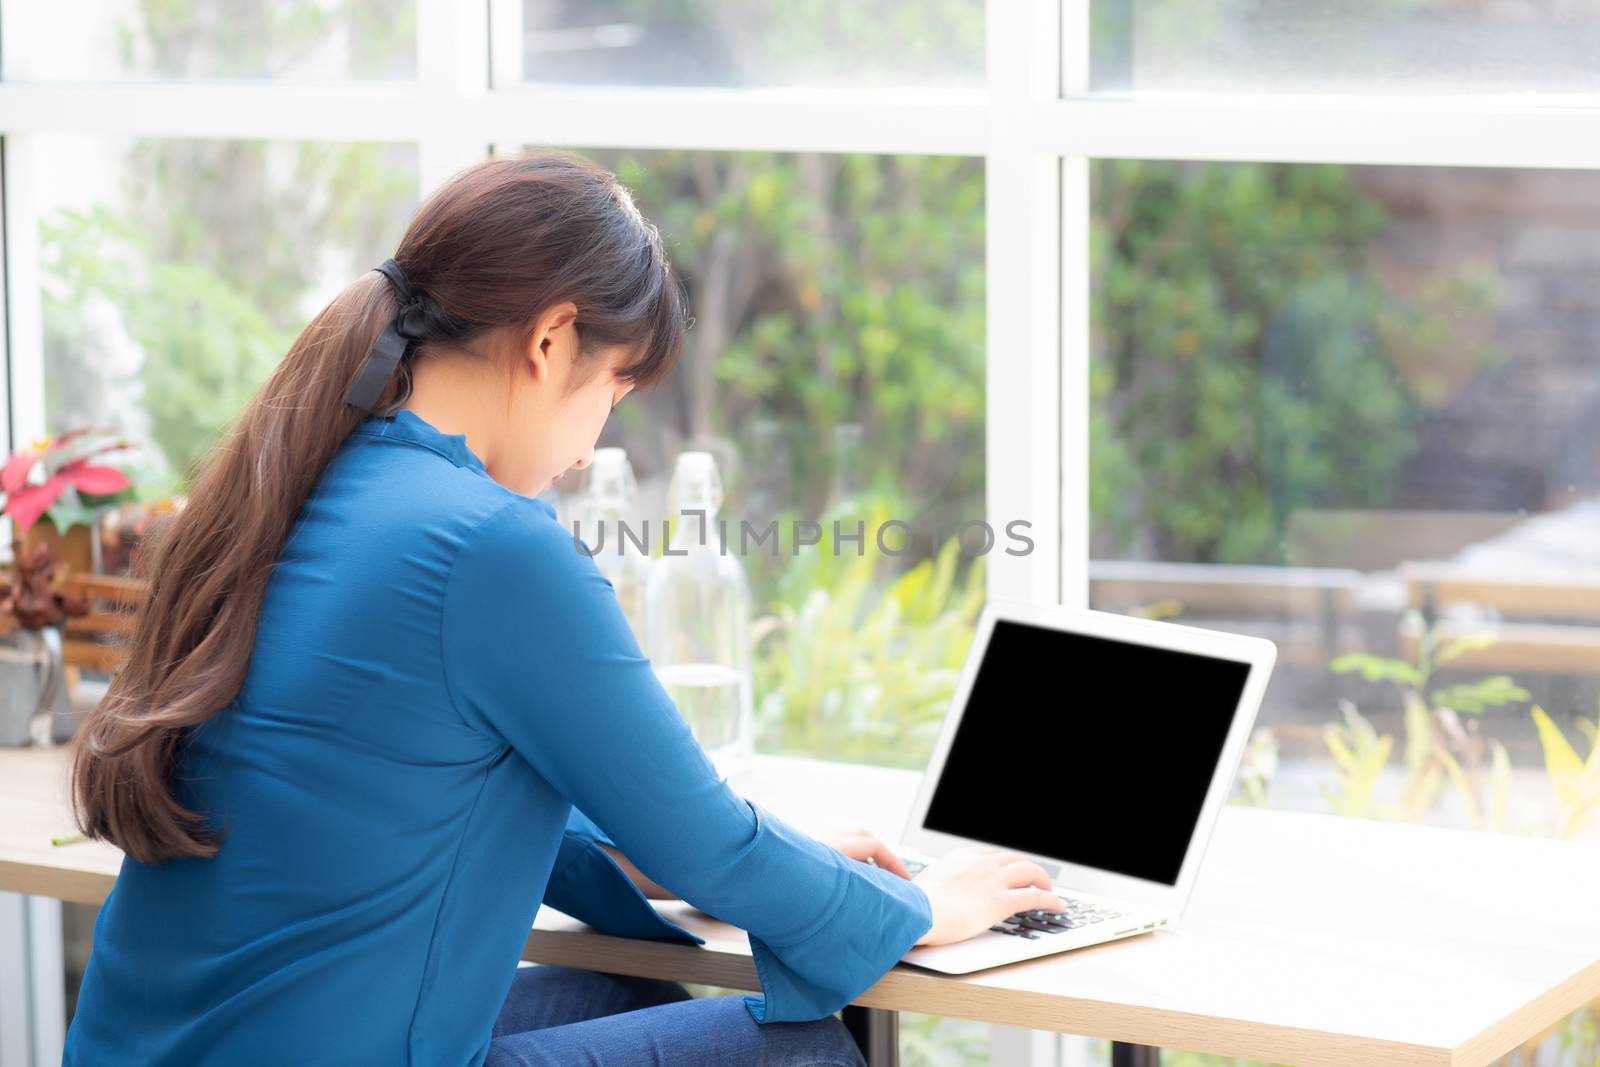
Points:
(563, 1017)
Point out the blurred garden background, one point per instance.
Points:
(1354, 409)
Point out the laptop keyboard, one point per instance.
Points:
(1033, 924)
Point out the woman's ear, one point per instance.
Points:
(555, 333)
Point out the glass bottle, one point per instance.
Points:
(697, 611)
(605, 505)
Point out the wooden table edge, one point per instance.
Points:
(1537, 1016)
(910, 989)
(48, 880)
(906, 988)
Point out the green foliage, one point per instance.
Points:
(1243, 346)
(1439, 747)
(206, 345)
(862, 668)
(207, 282)
(1470, 697)
(1378, 668)
(1475, 697)
(830, 290)
(825, 290)
(214, 253)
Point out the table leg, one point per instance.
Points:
(32, 990)
(877, 1033)
(1126, 1055)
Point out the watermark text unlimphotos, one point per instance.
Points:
(892, 537)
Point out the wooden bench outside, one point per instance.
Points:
(1305, 610)
(1545, 623)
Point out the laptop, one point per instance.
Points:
(1099, 746)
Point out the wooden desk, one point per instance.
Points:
(1311, 940)
(33, 809)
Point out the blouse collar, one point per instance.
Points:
(407, 425)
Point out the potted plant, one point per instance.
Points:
(32, 676)
(53, 492)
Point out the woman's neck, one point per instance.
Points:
(451, 395)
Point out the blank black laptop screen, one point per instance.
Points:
(1086, 749)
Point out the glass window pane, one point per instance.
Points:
(728, 43)
(176, 273)
(835, 369)
(297, 40)
(1356, 410)
(1368, 46)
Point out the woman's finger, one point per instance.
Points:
(1020, 873)
(885, 857)
(863, 846)
(1028, 898)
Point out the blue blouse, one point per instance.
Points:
(445, 709)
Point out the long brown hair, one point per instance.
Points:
(500, 243)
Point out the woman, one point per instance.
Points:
(380, 704)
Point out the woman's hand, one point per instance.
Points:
(972, 887)
(860, 845)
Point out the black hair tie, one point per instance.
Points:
(397, 341)
(419, 319)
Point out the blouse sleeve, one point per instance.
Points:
(588, 885)
(580, 824)
(539, 654)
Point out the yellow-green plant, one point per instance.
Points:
(1576, 779)
(1359, 755)
(1578, 1036)
(1443, 739)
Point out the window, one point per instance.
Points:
(892, 43)
(1354, 409)
(1271, 317)
(835, 369)
(293, 41)
(1369, 47)
(174, 274)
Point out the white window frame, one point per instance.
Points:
(1036, 125)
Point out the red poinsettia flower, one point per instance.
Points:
(65, 468)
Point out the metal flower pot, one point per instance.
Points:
(33, 683)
